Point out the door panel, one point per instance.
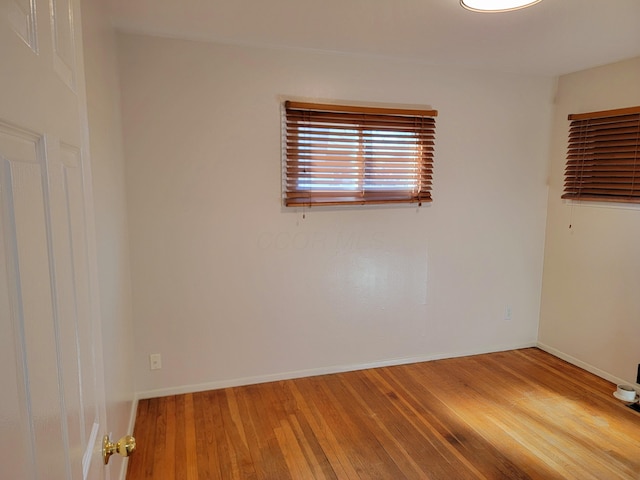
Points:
(15, 411)
(22, 17)
(24, 230)
(63, 41)
(52, 402)
(61, 166)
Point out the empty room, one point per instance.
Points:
(343, 239)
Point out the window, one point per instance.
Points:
(603, 161)
(335, 155)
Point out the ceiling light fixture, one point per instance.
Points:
(496, 5)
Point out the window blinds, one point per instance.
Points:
(603, 160)
(335, 154)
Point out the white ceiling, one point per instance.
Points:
(551, 38)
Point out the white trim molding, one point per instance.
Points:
(236, 382)
(584, 365)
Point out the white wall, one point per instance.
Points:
(590, 309)
(107, 165)
(230, 287)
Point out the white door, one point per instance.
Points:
(52, 409)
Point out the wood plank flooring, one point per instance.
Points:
(522, 414)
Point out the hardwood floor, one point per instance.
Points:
(522, 414)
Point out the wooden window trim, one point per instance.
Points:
(603, 157)
(356, 155)
(321, 107)
(605, 113)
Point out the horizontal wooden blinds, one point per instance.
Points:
(335, 154)
(603, 160)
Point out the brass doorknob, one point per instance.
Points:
(125, 447)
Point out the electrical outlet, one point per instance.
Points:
(508, 313)
(155, 361)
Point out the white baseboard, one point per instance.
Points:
(584, 365)
(179, 390)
